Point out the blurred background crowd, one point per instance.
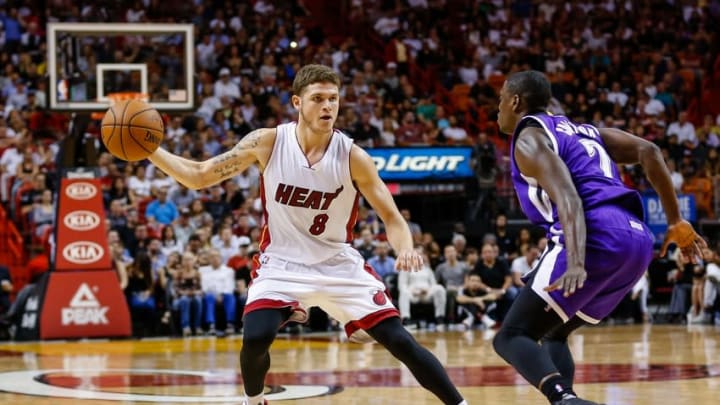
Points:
(414, 73)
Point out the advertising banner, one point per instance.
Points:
(655, 215)
(84, 304)
(422, 163)
(81, 239)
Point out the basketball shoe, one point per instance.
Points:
(575, 401)
(245, 402)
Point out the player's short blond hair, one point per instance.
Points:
(310, 74)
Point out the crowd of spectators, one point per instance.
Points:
(415, 72)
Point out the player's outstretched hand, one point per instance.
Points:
(573, 279)
(409, 260)
(684, 236)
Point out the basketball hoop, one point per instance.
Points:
(113, 98)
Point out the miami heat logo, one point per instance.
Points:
(379, 297)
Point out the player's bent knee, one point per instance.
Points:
(392, 335)
(257, 342)
(501, 341)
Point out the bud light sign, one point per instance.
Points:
(655, 214)
(422, 163)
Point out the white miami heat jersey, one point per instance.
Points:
(310, 211)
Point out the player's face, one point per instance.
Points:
(319, 105)
(507, 117)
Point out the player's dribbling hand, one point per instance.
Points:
(409, 260)
(684, 236)
(573, 279)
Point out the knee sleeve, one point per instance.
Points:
(501, 341)
(260, 329)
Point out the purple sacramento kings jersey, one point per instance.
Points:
(618, 244)
(593, 172)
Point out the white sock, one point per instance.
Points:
(256, 400)
(464, 402)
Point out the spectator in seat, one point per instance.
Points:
(174, 130)
(228, 244)
(382, 263)
(184, 227)
(218, 284)
(182, 196)
(11, 158)
(366, 244)
(696, 314)
(43, 213)
(524, 264)
(710, 131)
(454, 133)
(365, 134)
(29, 198)
(138, 185)
(505, 239)
(224, 87)
(163, 210)
(216, 205)
(199, 217)
(471, 257)
(451, 274)
(421, 286)
(682, 276)
(119, 191)
(187, 293)
(697, 183)
(119, 262)
(474, 302)
(410, 131)
(140, 240)
(684, 130)
(169, 242)
(496, 278)
(139, 292)
(415, 229)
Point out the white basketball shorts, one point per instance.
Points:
(344, 286)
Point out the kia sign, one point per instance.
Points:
(422, 163)
(81, 220)
(81, 190)
(81, 239)
(83, 252)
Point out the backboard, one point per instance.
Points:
(90, 64)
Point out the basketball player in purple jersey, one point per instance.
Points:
(566, 179)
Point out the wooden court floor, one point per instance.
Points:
(617, 365)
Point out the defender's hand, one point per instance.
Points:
(684, 236)
(573, 279)
(409, 260)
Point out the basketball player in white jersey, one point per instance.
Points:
(312, 179)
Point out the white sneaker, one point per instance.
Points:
(440, 327)
(488, 322)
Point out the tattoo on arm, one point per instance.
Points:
(249, 141)
(227, 164)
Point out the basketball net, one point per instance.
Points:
(121, 96)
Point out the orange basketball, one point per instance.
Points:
(132, 130)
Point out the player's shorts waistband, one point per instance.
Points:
(344, 257)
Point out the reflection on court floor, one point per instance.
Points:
(617, 365)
